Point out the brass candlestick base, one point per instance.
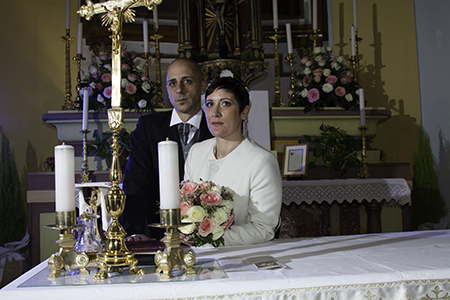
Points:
(116, 254)
(66, 257)
(172, 256)
(278, 101)
(291, 58)
(364, 170)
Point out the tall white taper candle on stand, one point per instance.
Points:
(353, 40)
(169, 184)
(145, 30)
(80, 38)
(289, 38)
(84, 125)
(314, 14)
(155, 16)
(64, 178)
(362, 107)
(355, 15)
(275, 13)
(67, 14)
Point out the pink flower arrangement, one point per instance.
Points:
(209, 210)
(137, 90)
(324, 81)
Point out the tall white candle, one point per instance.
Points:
(362, 107)
(289, 37)
(355, 15)
(155, 16)
(275, 14)
(80, 38)
(67, 14)
(64, 178)
(353, 41)
(145, 27)
(168, 175)
(314, 14)
(84, 125)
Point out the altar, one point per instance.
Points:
(403, 265)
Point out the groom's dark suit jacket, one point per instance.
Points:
(141, 181)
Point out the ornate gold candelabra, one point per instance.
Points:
(84, 164)
(173, 256)
(146, 56)
(115, 255)
(68, 104)
(78, 58)
(66, 257)
(278, 101)
(364, 170)
(291, 58)
(159, 100)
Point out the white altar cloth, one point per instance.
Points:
(392, 190)
(404, 265)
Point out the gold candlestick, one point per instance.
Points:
(355, 58)
(172, 256)
(314, 37)
(66, 257)
(364, 170)
(68, 104)
(278, 101)
(78, 58)
(146, 56)
(291, 58)
(84, 164)
(159, 100)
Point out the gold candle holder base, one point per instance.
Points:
(173, 256)
(364, 170)
(66, 258)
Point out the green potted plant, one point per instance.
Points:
(338, 150)
(102, 146)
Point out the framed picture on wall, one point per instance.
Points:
(295, 161)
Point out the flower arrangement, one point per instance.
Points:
(324, 81)
(136, 88)
(209, 209)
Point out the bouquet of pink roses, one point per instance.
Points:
(209, 208)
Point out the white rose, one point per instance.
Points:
(227, 206)
(146, 87)
(326, 72)
(142, 103)
(100, 99)
(307, 71)
(217, 232)
(318, 58)
(304, 93)
(308, 63)
(329, 48)
(188, 229)
(349, 97)
(220, 216)
(92, 69)
(92, 85)
(124, 82)
(327, 87)
(340, 59)
(216, 189)
(335, 66)
(107, 66)
(196, 213)
(317, 50)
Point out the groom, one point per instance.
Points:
(185, 124)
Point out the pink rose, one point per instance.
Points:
(106, 77)
(317, 72)
(228, 223)
(331, 79)
(107, 92)
(184, 206)
(340, 91)
(317, 78)
(132, 77)
(211, 198)
(206, 227)
(125, 67)
(189, 188)
(204, 186)
(313, 95)
(304, 59)
(131, 89)
(306, 80)
(99, 86)
(144, 78)
(345, 79)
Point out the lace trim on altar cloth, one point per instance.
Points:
(438, 289)
(392, 190)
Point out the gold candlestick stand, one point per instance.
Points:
(66, 257)
(172, 256)
(291, 58)
(355, 58)
(314, 37)
(146, 56)
(364, 170)
(78, 58)
(116, 254)
(278, 101)
(68, 104)
(84, 164)
(159, 100)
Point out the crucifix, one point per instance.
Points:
(116, 254)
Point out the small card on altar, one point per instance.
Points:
(241, 264)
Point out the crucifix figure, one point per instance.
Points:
(115, 255)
